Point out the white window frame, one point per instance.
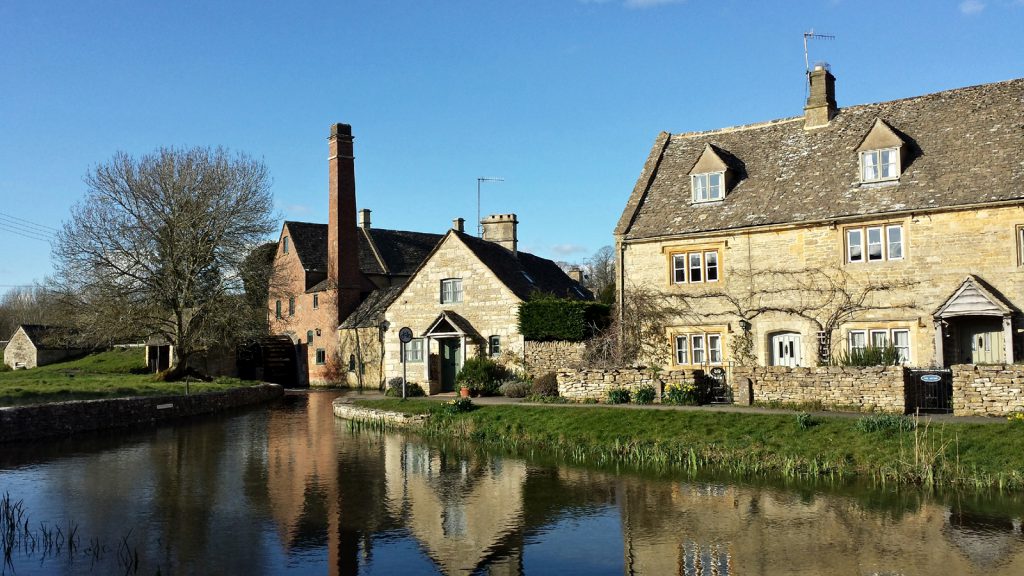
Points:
(697, 348)
(714, 346)
(683, 349)
(703, 190)
(871, 338)
(412, 351)
(494, 345)
(903, 351)
(885, 243)
(708, 267)
(873, 159)
(1020, 245)
(682, 271)
(889, 243)
(868, 233)
(451, 290)
(850, 244)
(677, 270)
(850, 343)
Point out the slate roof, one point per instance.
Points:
(46, 337)
(523, 272)
(370, 312)
(401, 251)
(965, 147)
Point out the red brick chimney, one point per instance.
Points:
(342, 238)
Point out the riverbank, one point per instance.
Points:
(893, 449)
(19, 423)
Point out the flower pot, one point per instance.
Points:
(464, 392)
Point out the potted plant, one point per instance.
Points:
(464, 391)
(479, 376)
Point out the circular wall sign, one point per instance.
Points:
(405, 334)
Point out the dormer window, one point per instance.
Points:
(707, 187)
(879, 165)
(709, 176)
(880, 154)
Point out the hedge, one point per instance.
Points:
(546, 318)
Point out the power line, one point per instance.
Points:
(24, 232)
(27, 223)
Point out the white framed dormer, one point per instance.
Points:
(709, 177)
(880, 154)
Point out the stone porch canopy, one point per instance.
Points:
(975, 298)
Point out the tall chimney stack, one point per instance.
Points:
(342, 240)
(821, 103)
(501, 229)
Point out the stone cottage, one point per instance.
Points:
(34, 345)
(792, 241)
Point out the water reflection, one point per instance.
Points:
(291, 490)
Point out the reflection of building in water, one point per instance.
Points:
(465, 511)
(690, 529)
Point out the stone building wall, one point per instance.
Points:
(996, 390)
(871, 388)
(20, 352)
(583, 384)
(543, 357)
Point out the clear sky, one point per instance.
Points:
(561, 98)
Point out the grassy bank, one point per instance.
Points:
(887, 449)
(114, 373)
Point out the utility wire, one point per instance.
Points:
(16, 220)
(25, 232)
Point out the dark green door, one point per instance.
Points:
(450, 349)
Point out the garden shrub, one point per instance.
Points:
(545, 318)
(805, 421)
(886, 423)
(682, 394)
(514, 389)
(618, 396)
(868, 356)
(395, 388)
(644, 395)
(545, 385)
(453, 407)
(481, 375)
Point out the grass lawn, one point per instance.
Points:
(970, 455)
(101, 375)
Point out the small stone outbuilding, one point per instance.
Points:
(34, 345)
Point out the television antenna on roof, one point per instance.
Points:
(811, 35)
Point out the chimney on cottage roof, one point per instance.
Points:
(342, 238)
(821, 103)
(364, 218)
(501, 229)
(575, 274)
(459, 224)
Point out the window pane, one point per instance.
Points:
(714, 186)
(870, 163)
(857, 340)
(679, 268)
(495, 345)
(889, 169)
(854, 245)
(874, 243)
(895, 234)
(682, 353)
(715, 348)
(879, 338)
(700, 187)
(711, 266)
(901, 340)
(697, 345)
(695, 267)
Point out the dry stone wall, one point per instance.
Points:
(544, 357)
(871, 388)
(580, 385)
(988, 390)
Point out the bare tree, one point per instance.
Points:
(600, 274)
(25, 305)
(157, 246)
(637, 334)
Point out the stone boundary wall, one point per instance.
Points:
(345, 410)
(996, 390)
(584, 384)
(67, 418)
(870, 388)
(544, 357)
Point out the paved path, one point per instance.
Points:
(499, 400)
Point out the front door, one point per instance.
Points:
(981, 341)
(451, 348)
(786, 349)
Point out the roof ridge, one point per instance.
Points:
(375, 250)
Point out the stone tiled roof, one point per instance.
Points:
(370, 312)
(523, 272)
(47, 337)
(401, 251)
(964, 147)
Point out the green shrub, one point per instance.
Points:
(5, 368)
(869, 356)
(545, 385)
(805, 421)
(682, 394)
(456, 406)
(546, 318)
(886, 423)
(482, 375)
(394, 389)
(514, 389)
(644, 395)
(618, 396)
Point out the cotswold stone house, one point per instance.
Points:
(791, 241)
(34, 345)
(463, 301)
(323, 273)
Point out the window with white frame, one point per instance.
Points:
(1020, 245)
(901, 341)
(708, 187)
(494, 346)
(451, 290)
(412, 351)
(698, 349)
(898, 338)
(858, 341)
(874, 243)
(695, 267)
(879, 165)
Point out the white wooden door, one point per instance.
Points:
(786, 349)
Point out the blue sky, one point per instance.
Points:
(561, 98)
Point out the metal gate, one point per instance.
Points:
(718, 386)
(929, 391)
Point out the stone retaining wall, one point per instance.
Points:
(988, 390)
(544, 357)
(871, 388)
(343, 409)
(579, 385)
(66, 418)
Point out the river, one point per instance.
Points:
(290, 489)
